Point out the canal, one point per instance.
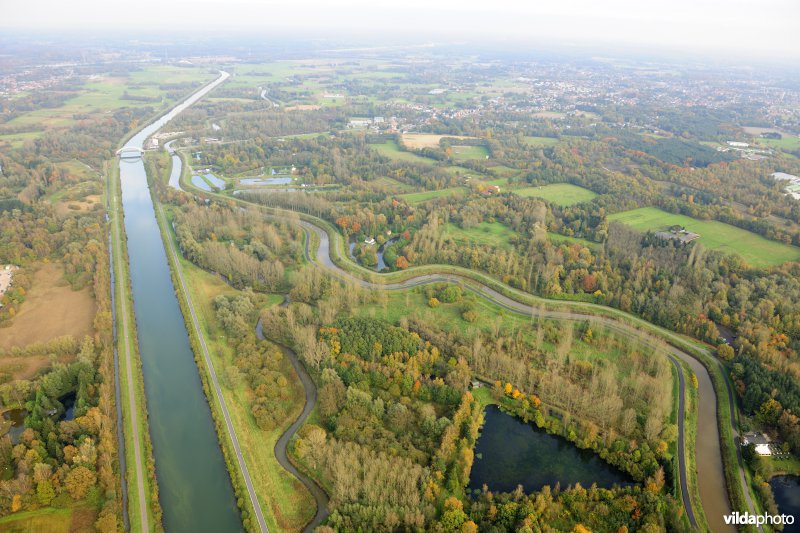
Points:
(194, 485)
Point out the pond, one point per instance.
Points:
(68, 401)
(510, 452)
(16, 418)
(198, 181)
(787, 496)
(266, 181)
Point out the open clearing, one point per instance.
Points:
(786, 143)
(462, 153)
(391, 150)
(424, 196)
(50, 520)
(756, 250)
(417, 141)
(27, 366)
(51, 309)
(493, 233)
(562, 194)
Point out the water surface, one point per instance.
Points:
(194, 486)
(787, 495)
(510, 452)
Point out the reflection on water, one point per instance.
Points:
(265, 181)
(195, 489)
(510, 452)
(787, 496)
(14, 420)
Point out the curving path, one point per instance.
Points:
(320, 496)
(323, 258)
(710, 470)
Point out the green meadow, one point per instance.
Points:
(754, 249)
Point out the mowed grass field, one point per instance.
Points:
(493, 233)
(463, 153)
(51, 309)
(392, 151)
(756, 250)
(786, 143)
(424, 196)
(562, 194)
(101, 94)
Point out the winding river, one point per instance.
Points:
(710, 473)
(195, 488)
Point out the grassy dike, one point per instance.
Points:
(726, 407)
(690, 442)
(123, 302)
(123, 293)
(284, 501)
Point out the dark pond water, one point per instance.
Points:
(17, 419)
(510, 452)
(787, 496)
(68, 401)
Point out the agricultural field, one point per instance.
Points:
(417, 141)
(52, 309)
(102, 93)
(463, 153)
(424, 196)
(563, 194)
(391, 150)
(756, 250)
(492, 233)
(786, 143)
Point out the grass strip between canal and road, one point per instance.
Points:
(140, 474)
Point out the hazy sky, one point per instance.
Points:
(747, 27)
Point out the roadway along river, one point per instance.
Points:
(194, 485)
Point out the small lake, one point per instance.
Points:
(787, 496)
(203, 182)
(16, 417)
(266, 181)
(68, 401)
(510, 452)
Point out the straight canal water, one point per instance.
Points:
(510, 452)
(194, 486)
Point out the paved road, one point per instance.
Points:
(262, 524)
(131, 392)
(710, 471)
(323, 258)
(281, 446)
